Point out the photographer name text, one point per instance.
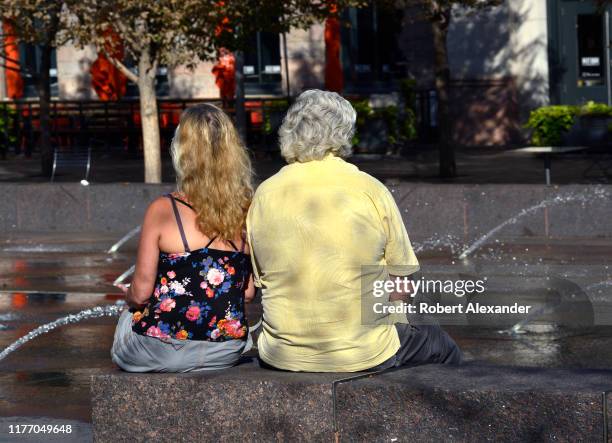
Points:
(437, 308)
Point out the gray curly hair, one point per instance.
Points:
(318, 123)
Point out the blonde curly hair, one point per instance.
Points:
(213, 170)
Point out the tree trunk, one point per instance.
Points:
(239, 102)
(149, 118)
(440, 25)
(44, 100)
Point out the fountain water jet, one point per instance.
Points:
(125, 275)
(518, 328)
(95, 312)
(437, 242)
(123, 240)
(583, 197)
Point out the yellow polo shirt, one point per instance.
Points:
(311, 228)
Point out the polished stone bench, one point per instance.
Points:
(427, 403)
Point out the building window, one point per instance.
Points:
(370, 54)
(262, 64)
(29, 59)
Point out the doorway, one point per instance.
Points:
(583, 53)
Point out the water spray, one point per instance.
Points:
(95, 312)
(125, 275)
(124, 239)
(583, 197)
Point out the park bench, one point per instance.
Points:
(425, 403)
(76, 159)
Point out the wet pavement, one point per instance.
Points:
(50, 375)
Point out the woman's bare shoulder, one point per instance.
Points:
(158, 210)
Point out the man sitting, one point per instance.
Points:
(312, 227)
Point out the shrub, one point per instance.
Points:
(7, 124)
(549, 123)
(389, 116)
(270, 107)
(592, 109)
(399, 128)
(364, 113)
(408, 127)
(408, 130)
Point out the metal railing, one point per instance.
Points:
(116, 125)
(113, 125)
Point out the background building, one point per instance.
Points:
(504, 63)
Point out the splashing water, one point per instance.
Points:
(116, 247)
(123, 240)
(438, 243)
(125, 275)
(582, 197)
(600, 292)
(8, 316)
(601, 284)
(95, 312)
(518, 328)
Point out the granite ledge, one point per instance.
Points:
(469, 403)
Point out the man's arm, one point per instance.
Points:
(403, 291)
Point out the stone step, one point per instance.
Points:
(427, 403)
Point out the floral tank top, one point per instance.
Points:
(199, 295)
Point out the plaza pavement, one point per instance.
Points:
(474, 165)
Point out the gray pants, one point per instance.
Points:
(133, 352)
(421, 344)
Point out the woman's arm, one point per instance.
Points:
(249, 294)
(148, 255)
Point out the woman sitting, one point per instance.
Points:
(193, 272)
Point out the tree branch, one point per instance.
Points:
(12, 68)
(124, 69)
(18, 68)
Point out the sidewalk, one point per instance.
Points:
(474, 165)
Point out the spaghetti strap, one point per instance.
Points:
(233, 245)
(183, 202)
(177, 215)
(243, 243)
(210, 242)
